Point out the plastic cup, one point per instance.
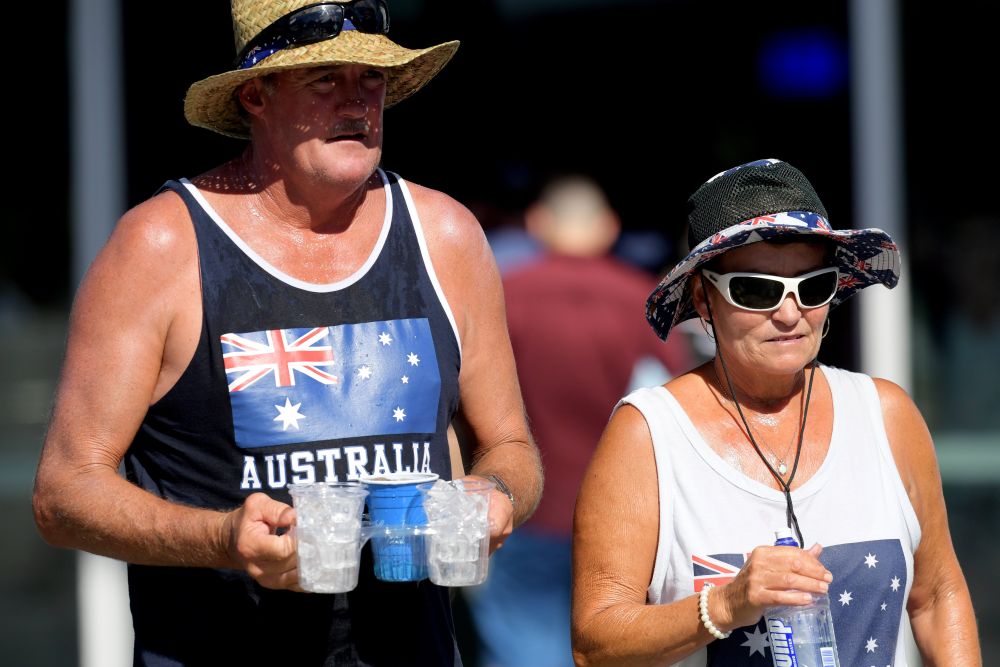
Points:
(328, 535)
(458, 536)
(395, 508)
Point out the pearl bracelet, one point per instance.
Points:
(703, 607)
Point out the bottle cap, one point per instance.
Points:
(785, 538)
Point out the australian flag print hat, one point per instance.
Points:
(761, 201)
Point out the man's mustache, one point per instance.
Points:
(351, 126)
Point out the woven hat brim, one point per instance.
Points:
(210, 103)
(865, 257)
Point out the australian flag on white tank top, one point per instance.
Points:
(328, 382)
(866, 600)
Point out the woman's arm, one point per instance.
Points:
(940, 608)
(614, 547)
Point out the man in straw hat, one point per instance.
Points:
(296, 315)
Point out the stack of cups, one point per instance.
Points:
(328, 534)
(398, 525)
(459, 531)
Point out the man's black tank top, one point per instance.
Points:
(294, 383)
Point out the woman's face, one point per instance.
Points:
(778, 342)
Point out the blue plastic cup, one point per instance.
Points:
(396, 510)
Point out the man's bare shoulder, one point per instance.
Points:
(446, 222)
(159, 225)
(463, 261)
(150, 261)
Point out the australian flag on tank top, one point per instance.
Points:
(329, 382)
(866, 600)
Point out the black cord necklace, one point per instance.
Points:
(782, 460)
(791, 520)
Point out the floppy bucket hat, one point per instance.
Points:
(761, 201)
(211, 103)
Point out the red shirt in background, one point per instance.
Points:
(578, 328)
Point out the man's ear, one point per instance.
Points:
(251, 96)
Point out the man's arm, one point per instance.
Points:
(131, 335)
(490, 397)
(940, 608)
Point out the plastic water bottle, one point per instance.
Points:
(801, 635)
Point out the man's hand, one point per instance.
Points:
(252, 541)
(501, 514)
(501, 519)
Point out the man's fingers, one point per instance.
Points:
(277, 576)
(275, 549)
(287, 517)
(266, 550)
(274, 513)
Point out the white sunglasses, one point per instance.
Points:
(763, 292)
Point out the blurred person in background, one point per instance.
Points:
(295, 315)
(690, 477)
(579, 339)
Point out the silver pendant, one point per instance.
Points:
(782, 468)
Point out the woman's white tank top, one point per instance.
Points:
(855, 505)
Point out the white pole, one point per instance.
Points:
(105, 620)
(879, 180)
(879, 183)
(98, 199)
(98, 153)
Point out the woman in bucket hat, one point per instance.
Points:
(692, 477)
(296, 315)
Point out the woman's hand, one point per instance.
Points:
(772, 576)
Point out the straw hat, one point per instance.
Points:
(211, 102)
(763, 201)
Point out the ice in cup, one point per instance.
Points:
(458, 536)
(328, 535)
(395, 508)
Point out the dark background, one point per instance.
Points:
(650, 98)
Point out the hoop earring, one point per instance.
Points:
(704, 325)
(826, 327)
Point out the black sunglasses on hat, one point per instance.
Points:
(315, 23)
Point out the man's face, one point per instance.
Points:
(323, 122)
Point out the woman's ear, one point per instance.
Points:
(698, 296)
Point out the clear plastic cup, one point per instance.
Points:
(328, 535)
(458, 535)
